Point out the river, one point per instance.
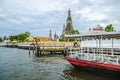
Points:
(18, 64)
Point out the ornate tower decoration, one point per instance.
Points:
(50, 35)
(69, 26)
(55, 37)
(63, 32)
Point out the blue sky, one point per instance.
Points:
(39, 16)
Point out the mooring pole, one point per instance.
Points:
(29, 48)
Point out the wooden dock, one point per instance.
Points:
(50, 47)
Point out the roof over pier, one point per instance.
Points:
(97, 35)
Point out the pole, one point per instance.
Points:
(96, 45)
(99, 48)
(96, 49)
(81, 48)
(102, 49)
(84, 47)
(112, 47)
(29, 49)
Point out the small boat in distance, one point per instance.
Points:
(96, 58)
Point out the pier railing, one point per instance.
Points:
(51, 45)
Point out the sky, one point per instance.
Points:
(39, 16)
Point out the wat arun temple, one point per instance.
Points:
(69, 26)
(66, 28)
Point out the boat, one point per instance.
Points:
(96, 59)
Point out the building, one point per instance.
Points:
(63, 32)
(44, 39)
(41, 39)
(69, 27)
(50, 35)
(55, 37)
(96, 29)
(66, 28)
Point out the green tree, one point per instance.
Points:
(75, 32)
(1, 40)
(14, 38)
(61, 40)
(27, 34)
(109, 28)
(20, 37)
(72, 33)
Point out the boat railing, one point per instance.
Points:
(116, 51)
(97, 57)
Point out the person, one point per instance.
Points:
(75, 45)
(36, 42)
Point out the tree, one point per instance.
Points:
(14, 38)
(20, 37)
(27, 34)
(109, 28)
(1, 40)
(75, 32)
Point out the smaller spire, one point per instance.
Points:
(69, 9)
(63, 27)
(50, 34)
(55, 33)
(69, 13)
(55, 36)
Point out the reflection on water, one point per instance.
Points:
(17, 64)
(75, 74)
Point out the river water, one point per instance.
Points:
(18, 64)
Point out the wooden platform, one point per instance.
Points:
(51, 47)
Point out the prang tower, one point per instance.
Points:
(69, 27)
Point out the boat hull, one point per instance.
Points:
(96, 67)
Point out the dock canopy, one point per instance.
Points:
(98, 35)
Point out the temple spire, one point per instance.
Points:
(69, 26)
(50, 35)
(69, 13)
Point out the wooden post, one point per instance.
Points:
(40, 48)
(36, 49)
(33, 47)
(55, 46)
(29, 49)
(43, 47)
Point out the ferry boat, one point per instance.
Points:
(97, 59)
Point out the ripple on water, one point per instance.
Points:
(17, 64)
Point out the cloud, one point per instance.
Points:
(91, 15)
(39, 16)
(14, 21)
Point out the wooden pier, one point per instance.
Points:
(50, 47)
